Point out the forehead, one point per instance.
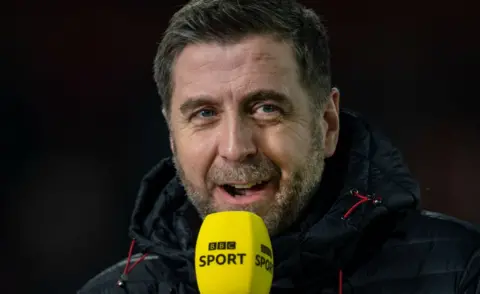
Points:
(220, 70)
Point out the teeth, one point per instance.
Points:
(245, 186)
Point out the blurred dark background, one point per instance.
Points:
(81, 121)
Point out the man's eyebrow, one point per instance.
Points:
(193, 103)
(267, 95)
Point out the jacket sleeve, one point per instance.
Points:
(104, 281)
(470, 281)
(140, 280)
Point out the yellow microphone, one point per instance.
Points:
(233, 254)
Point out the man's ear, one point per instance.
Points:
(331, 122)
(167, 120)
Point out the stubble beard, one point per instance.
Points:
(291, 198)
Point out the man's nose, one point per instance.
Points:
(236, 142)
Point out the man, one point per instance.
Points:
(255, 125)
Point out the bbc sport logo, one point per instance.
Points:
(263, 260)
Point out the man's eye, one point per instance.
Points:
(268, 109)
(204, 113)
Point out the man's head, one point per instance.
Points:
(246, 93)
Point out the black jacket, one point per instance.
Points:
(363, 233)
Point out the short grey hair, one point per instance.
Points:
(229, 21)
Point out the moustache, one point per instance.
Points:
(254, 172)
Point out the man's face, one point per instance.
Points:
(243, 132)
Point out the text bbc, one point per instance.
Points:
(222, 245)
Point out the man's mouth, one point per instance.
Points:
(246, 193)
(236, 190)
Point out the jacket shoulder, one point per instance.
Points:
(463, 239)
(435, 232)
(427, 250)
(443, 220)
(434, 227)
(140, 280)
(451, 249)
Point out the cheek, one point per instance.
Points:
(287, 147)
(194, 154)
